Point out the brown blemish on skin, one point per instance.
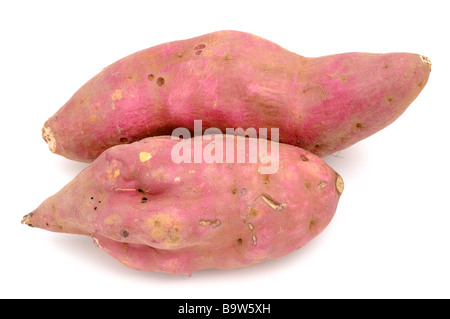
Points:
(312, 224)
(211, 223)
(316, 86)
(322, 185)
(307, 185)
(113, 219)
(163, 227)
(198, 52)
(117, 95)
(389, 99)
(386, 65)
(304, 158)
(227, 57)
(199, 47)
(420, 83)
(112, 174)
(239, 241)
(160, 81)
(144, 200)
(234, 190)
(266, 179)
(252, 212)
(125, 246)
(358, 125)
(344, 78)
(250, 226)
(125, 233)
(124, 140)
(151, 77)
(272, 203)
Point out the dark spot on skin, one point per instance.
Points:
(266, 179)
(99, 201)
(95, 208)
(144, 200)
(199, 47)
(46, 224)
(198, 52)
(299, 142)
(92, 197)
(151, 77)
(389, 99)
(252, 212)
(239, 241)
(386, 66)
(125, 233)
(358, 125)
(160, 81)
(304, 158)
(317, 146)
(420, 83)
(227, 57)
(140, 190)
(234, 190)
(307, 184)
(124, 140)
(55, 118)
(312, 224)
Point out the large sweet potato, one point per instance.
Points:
(153, 214)
(231, 79)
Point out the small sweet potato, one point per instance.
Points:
(153, 214)
(231, 79)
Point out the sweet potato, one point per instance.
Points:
(153, 214)
(231, 79)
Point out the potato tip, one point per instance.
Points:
(339, 184)
(425, 60)
(26, 220)
(47, 135)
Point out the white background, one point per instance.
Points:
(390, 237)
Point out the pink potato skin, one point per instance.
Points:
(231, 79)
(152, 214)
